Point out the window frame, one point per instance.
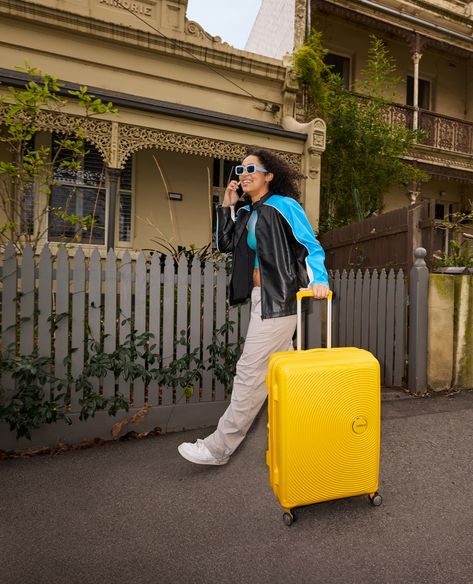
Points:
(56, 240)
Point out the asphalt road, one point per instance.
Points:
(135, 512)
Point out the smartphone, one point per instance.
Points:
(239, 190)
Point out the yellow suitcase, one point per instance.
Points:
(324, 423)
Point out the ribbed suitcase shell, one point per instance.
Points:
(324, 425)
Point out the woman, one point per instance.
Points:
(275, 253)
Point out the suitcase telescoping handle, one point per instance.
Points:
(308, 293)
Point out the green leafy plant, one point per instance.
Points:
(363, 157)
(28, 406)
(27, 176)
(182, 372)
(459, 255)
(224, 355)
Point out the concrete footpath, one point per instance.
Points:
(135, 512)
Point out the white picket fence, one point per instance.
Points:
(104, 298)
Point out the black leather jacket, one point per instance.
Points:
(289, 255)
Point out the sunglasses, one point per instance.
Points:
(249, 169)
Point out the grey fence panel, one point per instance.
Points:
(27, 302)
(233, 317)
(381, 332)
(181, 315)
(9, 307)
(110, 317)
(195, 317)
(125, 312)
(335, 309)
(61, 336)
(389, 347)
(220, 313)
(94, 308)
(44, 302)
(373, 319)
(208, 323)
(350, 308)
(357, 309)
(155, 321)
(400, 330)
(78, 323)
(181, 306)
(140, 323)
(365, 310)
(342, 322)
(313, 324)
(245, 310)
(168, 324)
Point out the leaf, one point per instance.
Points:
(140, 414)
(118, 427)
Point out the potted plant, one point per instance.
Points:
(458, 260)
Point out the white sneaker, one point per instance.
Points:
(198, 453)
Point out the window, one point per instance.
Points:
(79, 193)
(126, 201)
(424, 92)
(443, 212)
(341, 66)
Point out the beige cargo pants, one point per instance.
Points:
(264, 338)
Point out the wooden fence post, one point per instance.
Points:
(418, 323)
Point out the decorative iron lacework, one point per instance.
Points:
(117, 141)
(134, 138)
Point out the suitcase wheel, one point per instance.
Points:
(289, 517)
(376, 500)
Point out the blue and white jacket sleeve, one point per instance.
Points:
(304, 234)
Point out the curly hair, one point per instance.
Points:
(286, 178)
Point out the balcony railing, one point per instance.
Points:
(443, 132)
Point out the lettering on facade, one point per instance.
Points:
(137, 7)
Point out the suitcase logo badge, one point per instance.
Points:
(360, 425)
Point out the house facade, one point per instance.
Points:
(432, 44)
(188, 105)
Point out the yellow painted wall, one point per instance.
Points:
(184, 174)
(142, 71)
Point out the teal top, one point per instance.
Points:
(251, 237)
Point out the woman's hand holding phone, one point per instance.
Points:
(231, 196)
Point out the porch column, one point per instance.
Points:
(416, 57)
(113, 175)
